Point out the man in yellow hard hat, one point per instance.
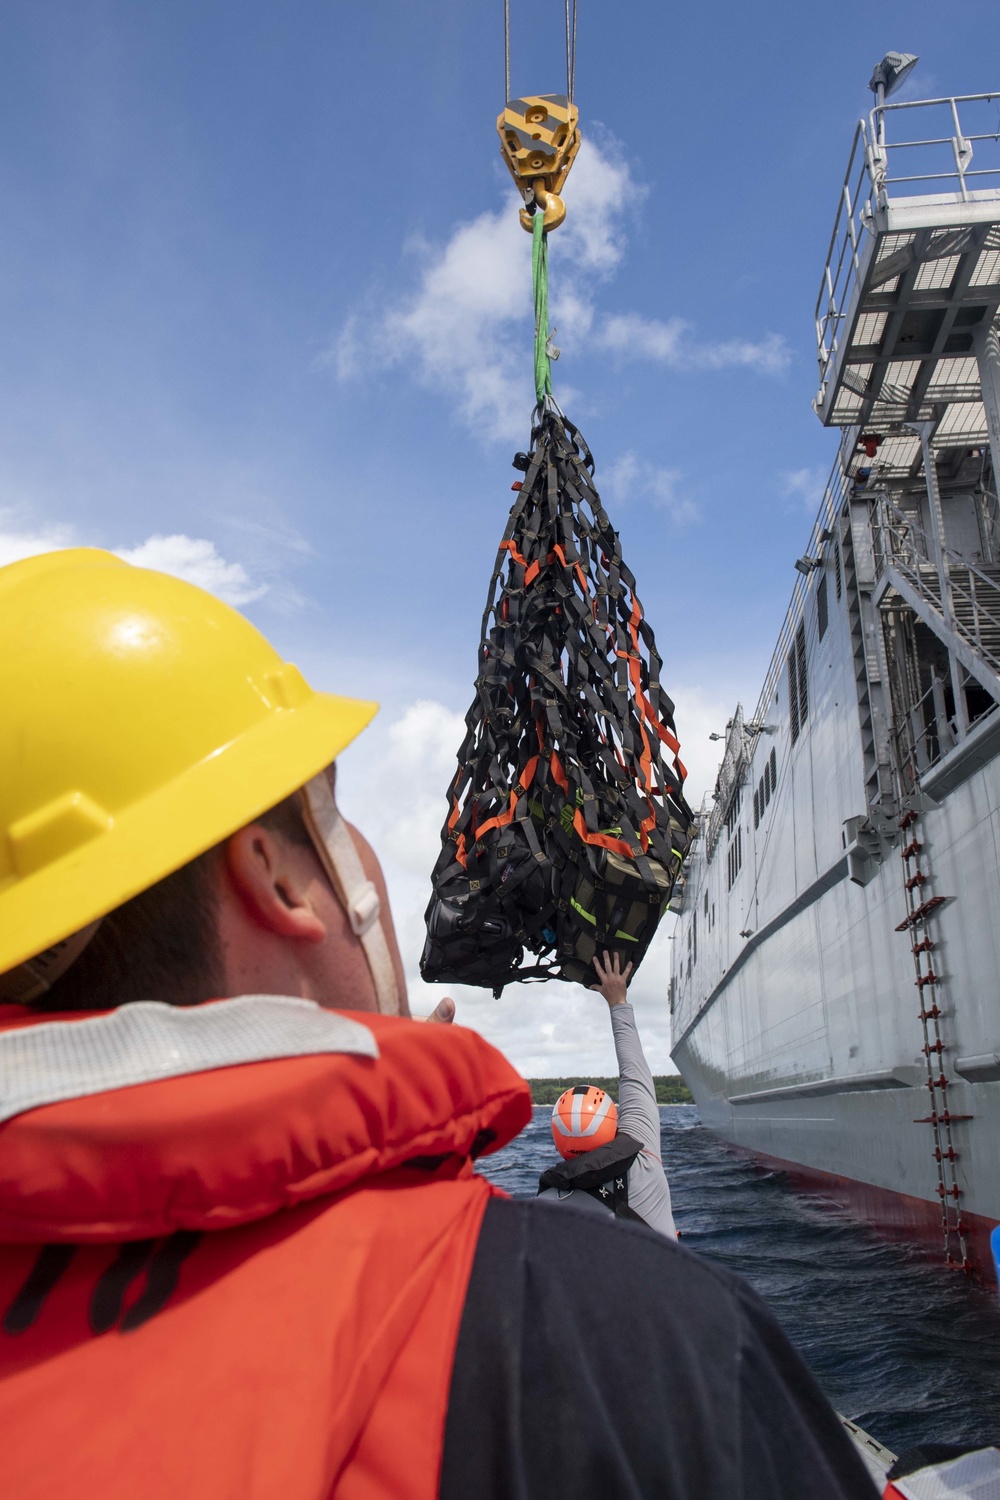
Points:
(243, 1251)
(164, 763)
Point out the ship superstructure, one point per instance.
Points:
(836, 985)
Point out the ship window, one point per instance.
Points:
(734, 811)
(735, 859)
(694, 937)
(756, 807)
(836, 568)
(800, 659)
(822, 608)
(706, 903)
(773, 767)
(793, 697)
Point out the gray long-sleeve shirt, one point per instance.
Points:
(639, 1117)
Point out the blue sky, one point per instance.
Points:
(263, 296)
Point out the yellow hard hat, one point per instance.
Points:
(141, 722)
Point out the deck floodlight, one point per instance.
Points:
(890, 73)
(805, 565)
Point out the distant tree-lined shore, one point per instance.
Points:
(670, 1089)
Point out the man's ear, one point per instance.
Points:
(272, 879)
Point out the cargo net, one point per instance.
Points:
(568, 824)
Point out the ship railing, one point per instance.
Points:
(898, 539)
(939, 163)
(974, 612)
(924, 733)
(739, 748)
(842, 271)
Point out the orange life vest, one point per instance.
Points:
(245, 1282)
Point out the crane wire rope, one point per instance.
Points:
(571, 8)
(571, 16)
(506, 49)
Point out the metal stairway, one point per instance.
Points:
(968, 620)
(976, 608)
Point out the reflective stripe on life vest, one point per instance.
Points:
(972, 1476)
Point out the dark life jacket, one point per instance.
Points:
(603, 1173)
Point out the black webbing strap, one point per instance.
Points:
(569, 768)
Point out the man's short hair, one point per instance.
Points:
(164, 943)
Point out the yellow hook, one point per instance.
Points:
(539, 139)
(550, 204)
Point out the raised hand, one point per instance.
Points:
(612, 978)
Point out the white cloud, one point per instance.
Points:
(806, 486)
(466, 329)
(17, 545)
(630, 336)
(769, 356)
(454, 333)
(412, 777)
(194, 559)
(593, 236)
(700, 711)
(630, 476)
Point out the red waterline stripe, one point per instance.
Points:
(897, 1216)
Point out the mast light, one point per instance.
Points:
(890, 73)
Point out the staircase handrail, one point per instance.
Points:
(905, 554)
(909, 524)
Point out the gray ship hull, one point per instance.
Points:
(836, 981)
(807, 1048)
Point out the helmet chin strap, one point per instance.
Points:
(354, 890)
(29, 981)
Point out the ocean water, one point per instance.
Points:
(905, 1347)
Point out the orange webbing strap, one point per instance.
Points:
(355, 891)
(502, 819)
(602, 840)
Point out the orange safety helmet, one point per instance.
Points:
(582, 1119)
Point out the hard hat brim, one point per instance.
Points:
(153, 837)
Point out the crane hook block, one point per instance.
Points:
(539, 139)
